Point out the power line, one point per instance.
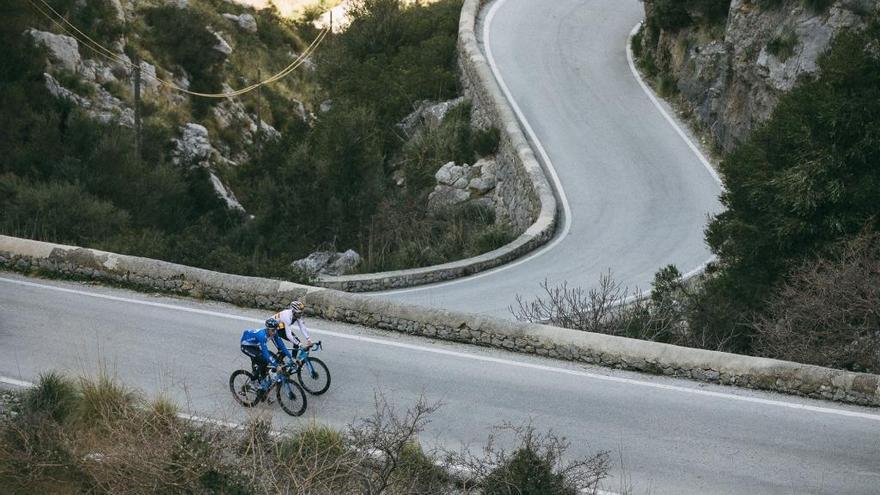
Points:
(107, 53)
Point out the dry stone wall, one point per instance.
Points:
(526, 199)
(708, 366)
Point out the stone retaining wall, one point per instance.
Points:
(527, 200)
(730, 369)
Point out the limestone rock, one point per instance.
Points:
(449, 174)
(193, 147)
(427, 114)
(63, 50)
(102, 106)
(445, 196)
(733, 83)
(457, 184)
(482, 185)
(245, 22)
(328, 262)
(222, 45)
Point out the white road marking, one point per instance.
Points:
(632, 67)
(475, 357)
(557, 184)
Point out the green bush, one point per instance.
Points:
(54, 395)
(182, 38)
(804, 180)
(527, 473)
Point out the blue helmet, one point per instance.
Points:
(272, 324)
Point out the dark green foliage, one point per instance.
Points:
(770, 4)
(97, 18)
(66, 178)
(391, 56)
(526, 473)
(818, 6)
(183, 39)
(673, 15)
(804, 180)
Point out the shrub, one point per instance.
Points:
(782, 46)
(104, 402)
(803, 181)
(537, 465)
(54, 395)
(826, 313)
(181, 36)
(818, 6)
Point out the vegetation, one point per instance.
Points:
(782, 46)
(673, 15)
(796, 250)
(97, 436)
(326, 182)
(802, 182)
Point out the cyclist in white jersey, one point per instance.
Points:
(286, 318)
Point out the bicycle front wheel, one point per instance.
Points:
(316, 380)
(244, 387)
(291, 397)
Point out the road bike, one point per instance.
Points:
(312, 374)
(247, 390)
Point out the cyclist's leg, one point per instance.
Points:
(258, 363)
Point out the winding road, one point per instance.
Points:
(674, 436)
(637, 199)
(636, 195)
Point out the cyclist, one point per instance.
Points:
(286, 318)
(254, 345)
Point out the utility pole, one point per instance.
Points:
(137, 107)
(259, 107)
(331, 21)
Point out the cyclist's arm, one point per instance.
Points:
(266, 354)
(302, 329)
(281, 347)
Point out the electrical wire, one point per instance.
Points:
(107, 53)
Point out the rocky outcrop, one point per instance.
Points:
(458, 184)
(101, 106)
(245, 22)
(733, 82)
(427, 115)
(328, 263)
(194, 149)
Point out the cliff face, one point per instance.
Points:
(732, 74)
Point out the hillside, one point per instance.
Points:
(789, 91)
(244, 184)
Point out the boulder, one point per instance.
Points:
(443, 197)
(427, 114)
(328, 262)
(194, 146)
(63, 50)
(482, 185)
(245, 22)
(449, 174)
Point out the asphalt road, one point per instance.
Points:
(675, 436)
(638, 196)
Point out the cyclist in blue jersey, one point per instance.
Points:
(254, 344)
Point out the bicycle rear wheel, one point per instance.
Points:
(317, 382)
(245, 388)
(291, 397)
